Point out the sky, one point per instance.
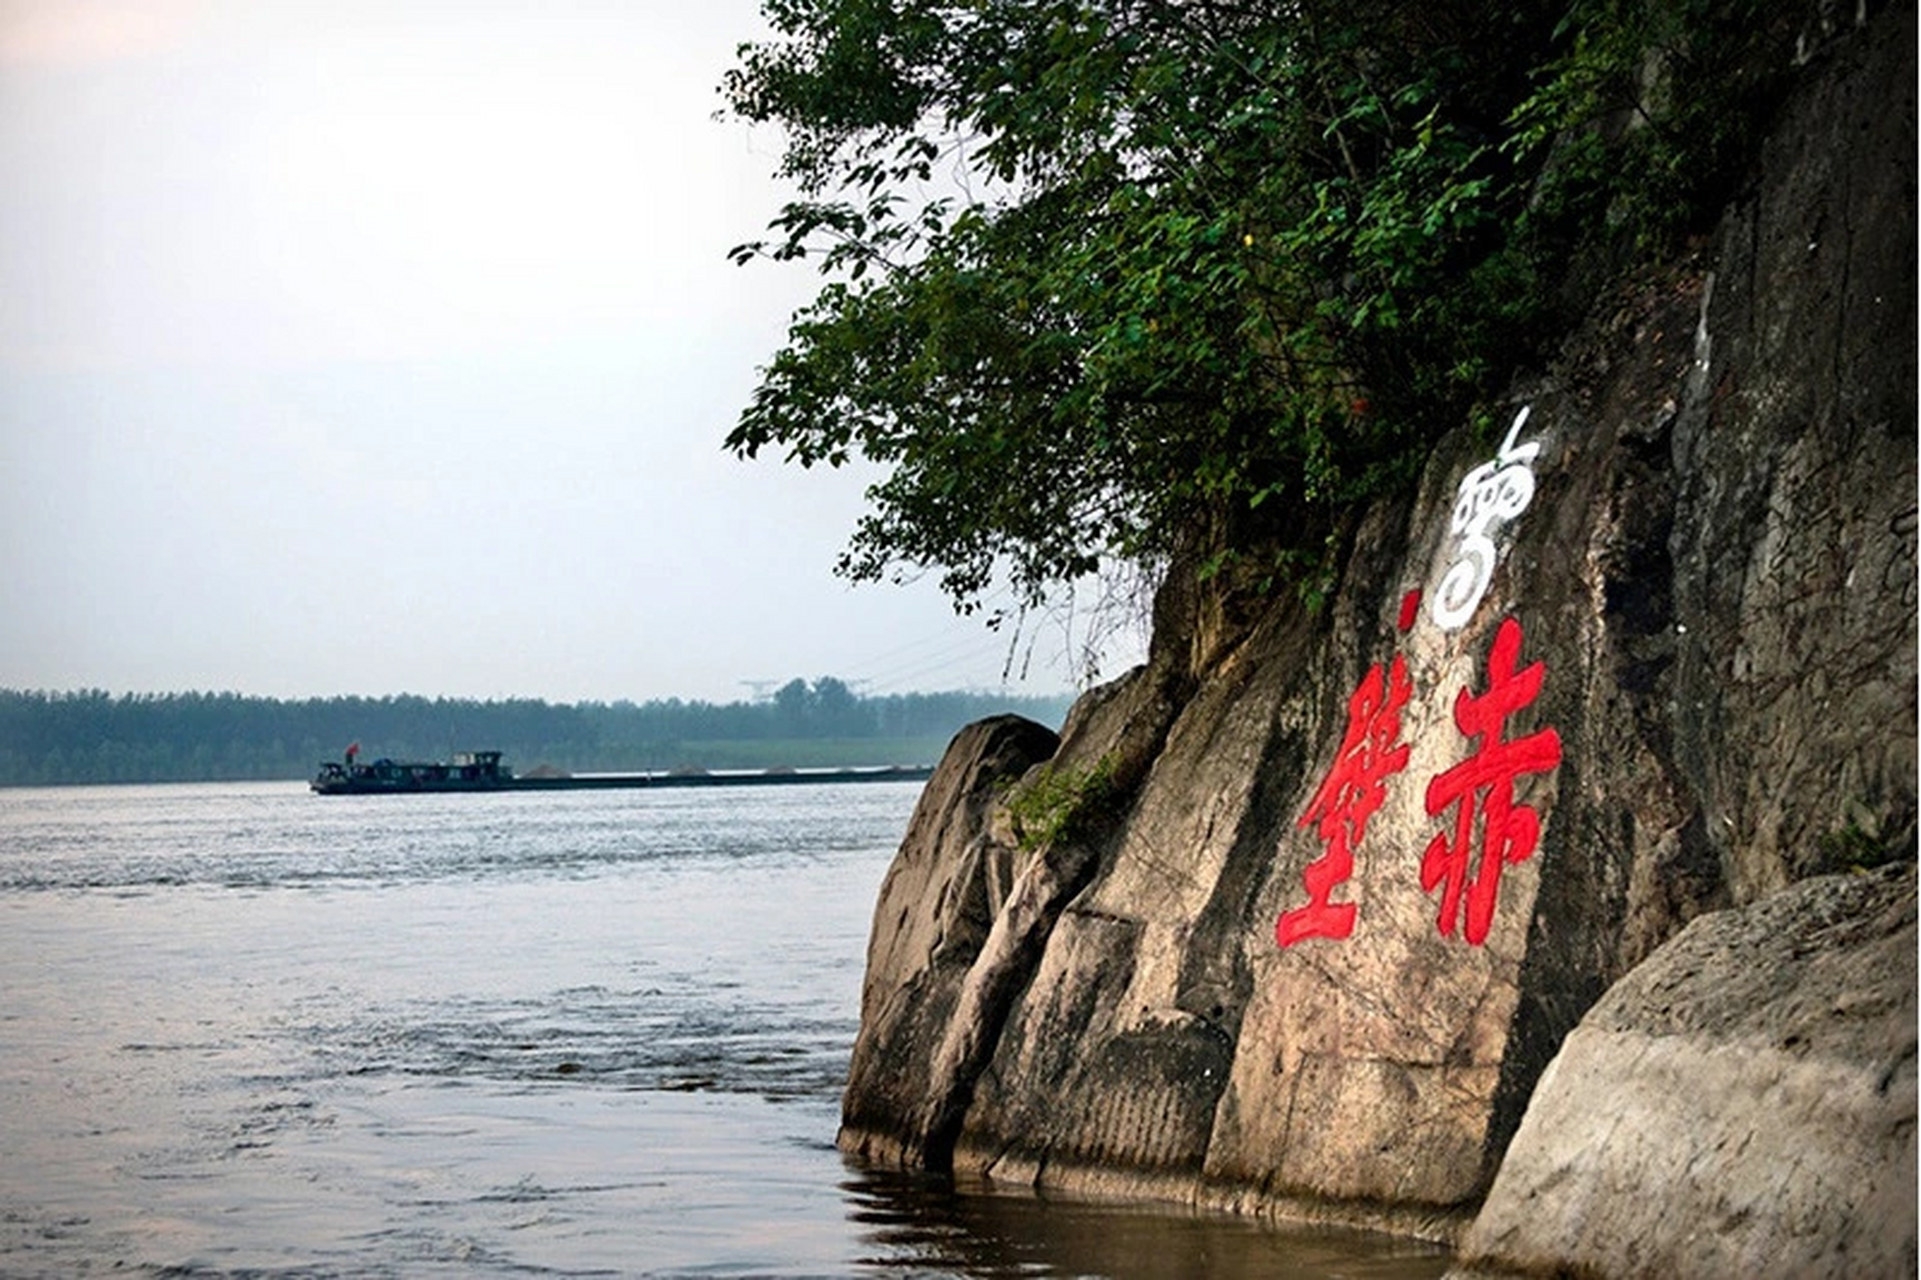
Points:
(389, 347)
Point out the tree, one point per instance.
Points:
(1127, 278)
(837, 710)
(1210, 270)
(795, 703)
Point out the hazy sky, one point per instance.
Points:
(388, 347)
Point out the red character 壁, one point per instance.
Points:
(1354, 788)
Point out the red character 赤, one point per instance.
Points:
(1354, 788)
(1509, 832)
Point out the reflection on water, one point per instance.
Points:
(249, 1031)
(920, 1225)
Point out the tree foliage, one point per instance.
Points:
(1130, 278)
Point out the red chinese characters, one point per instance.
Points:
(1485, 780)
(1481, 786)
(1356, 784)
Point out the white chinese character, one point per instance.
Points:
(1493, 493)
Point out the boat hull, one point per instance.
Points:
(343, 784)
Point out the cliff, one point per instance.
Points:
(1296, 917)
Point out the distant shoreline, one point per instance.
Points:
(60, 739)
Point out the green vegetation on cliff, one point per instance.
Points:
(1131, 279)
(94, 736)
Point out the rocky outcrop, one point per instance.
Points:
(1759, 1072)
(937, 906)
(1318, 895)
(963, 915)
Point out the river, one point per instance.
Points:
(249, 1031)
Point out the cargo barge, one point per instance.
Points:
(483, 771)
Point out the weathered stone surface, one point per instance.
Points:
(1801, 544)
(936, 907)
(965, 911)
(1716, 576)
(1759, 1120)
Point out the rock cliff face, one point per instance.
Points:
(1315, 897)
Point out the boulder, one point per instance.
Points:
(1742, 1105)
(940, 899)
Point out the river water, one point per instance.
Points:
(249, 1031)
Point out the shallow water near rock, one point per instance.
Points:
(245, 1030)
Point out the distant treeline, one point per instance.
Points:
(94, 736)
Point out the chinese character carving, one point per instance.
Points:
(1485, 780)
(1370, 753)
(1493, 493)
